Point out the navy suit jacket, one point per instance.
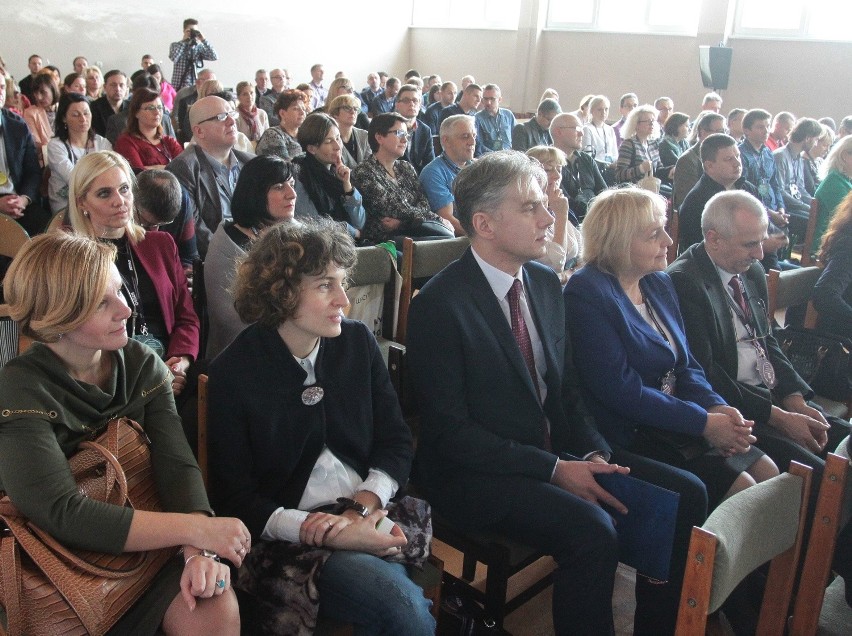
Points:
(711, 333)
(420, 150)
(21, 155)
(481, 420)
(620, 358)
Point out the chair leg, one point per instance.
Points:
(496, 586)
(468, 568)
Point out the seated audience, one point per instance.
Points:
(598, 136)
(674, 143)
(581, 176)
(161, 204)
(280, 79)
(41, 115)
(184, 100)
(627, 103)
(153, 283)
(458, 141)
(73, 83)
(665, 108)
(520, 461)
(291, 286)
(639, 153)
(252, 217)
(688, 167)
(384, 101)
(735, 123)
(563, 239)
(467, 103)
(74, 139)
(344, 110)
(94, 82)
(791, 173)
(782, 125)
(420, 150)
(535, 132)
(723, 170)
(65, 292)
(282, 140)
(583, 113)
(721, 287)
(549, 93)
(446, 97)
(143, 143)
(117, 123)
(324, 186)
(393, 198)
(339, 87)
(815, 157)
(712, 102)
(208, 169)
(835, 186)
(19, 195)
(372, 89)
(494, 125)
(832, 294)
(638, 375)
(167, 91)
(253, 121)
(16, 101)
(108, 104)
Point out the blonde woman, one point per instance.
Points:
(563, 239)
(345, 110)
(253, 121)
(65, 292)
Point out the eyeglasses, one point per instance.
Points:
(349, 109)
(645, 121)
(222, 116)
(152, 108)
(400, 133)
(408, 100)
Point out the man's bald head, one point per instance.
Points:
(206, 107)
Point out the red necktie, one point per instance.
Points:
(522, 337)
(736, 285)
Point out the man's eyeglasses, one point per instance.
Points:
(222, 116)
(400, 133)
(408, 100)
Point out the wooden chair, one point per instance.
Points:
(423, 259)
(807, 256)
(198, 291)
(820, 551)
(760, 523)
(57, 222)
(674, 233)
(202, 427)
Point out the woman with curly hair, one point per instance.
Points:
(320, 425)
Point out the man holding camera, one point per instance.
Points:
(189, 54)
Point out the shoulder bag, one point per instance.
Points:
(49, 589)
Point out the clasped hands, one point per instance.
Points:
(728, 431)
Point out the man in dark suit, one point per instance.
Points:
(420, 150)
(505, 445)
(21, 175)
(208, 170)
(722, 291)
(111, 102)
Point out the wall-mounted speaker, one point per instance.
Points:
(715, 65)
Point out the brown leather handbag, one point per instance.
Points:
(48, 589)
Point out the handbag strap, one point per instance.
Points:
(46, 562)
(10, 579)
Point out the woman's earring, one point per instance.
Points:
(86, 213)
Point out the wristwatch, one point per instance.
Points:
(345, 503)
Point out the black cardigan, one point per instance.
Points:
(264, 441)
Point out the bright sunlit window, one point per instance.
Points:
(467, 14)
(625, 16)
(794, 19)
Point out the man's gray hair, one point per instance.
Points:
(548, 106)
(450, 122)
(721, 209)
(481, 186)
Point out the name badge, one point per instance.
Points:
(668, 382)
(763, 188)
(794, 190)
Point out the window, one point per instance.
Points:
(793, 19)
(625, 16)
(467, 14)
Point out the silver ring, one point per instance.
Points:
(220, 584)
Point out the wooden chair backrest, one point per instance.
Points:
(807, 258)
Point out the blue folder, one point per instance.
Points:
(646, 532)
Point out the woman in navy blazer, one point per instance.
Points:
(648, 394)
(100, 205)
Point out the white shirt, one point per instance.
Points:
(746, 353)
(330, 479)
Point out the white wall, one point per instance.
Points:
(294, 35)
(809, 78)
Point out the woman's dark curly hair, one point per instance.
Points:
(267, 285)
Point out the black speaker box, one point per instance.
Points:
(715, 65)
